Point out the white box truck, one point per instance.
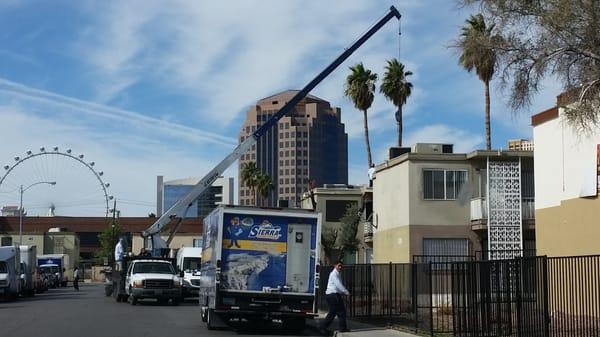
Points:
(188, 261)
(56, 267)
(28, 270)
(260, 264)
(10, 272)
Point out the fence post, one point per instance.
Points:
(414, 293)
(370, 290)
(431, 298)
(545, 286)
(390, 294)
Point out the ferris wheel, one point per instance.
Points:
(53, 182)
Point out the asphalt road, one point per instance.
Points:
(88, 313)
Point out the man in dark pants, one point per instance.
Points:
(333, 295)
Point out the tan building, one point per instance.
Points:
(520, 145)
(87, 229)
(332, 201)
(310, 143)
(433, 202)
(567, 182)
(55, 241)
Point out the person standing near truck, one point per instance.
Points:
(333, 296)
(76, 278)
(119, 252)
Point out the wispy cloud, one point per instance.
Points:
(165, 127)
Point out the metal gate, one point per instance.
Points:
(500, 298)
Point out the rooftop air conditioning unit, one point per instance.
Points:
(432, 148)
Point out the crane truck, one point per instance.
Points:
(283, 296)
(152, 240)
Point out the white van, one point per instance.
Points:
(188, 261)
(10, 272)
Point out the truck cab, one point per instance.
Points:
(10, 272)
(152, 278)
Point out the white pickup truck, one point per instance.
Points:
(153, 278)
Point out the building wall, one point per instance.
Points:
(221, 192)
(436, 212)
(573, 228)
(566, 220)
(322, 196)
(391, 245)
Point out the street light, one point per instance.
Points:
(21, 206)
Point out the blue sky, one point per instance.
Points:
(147, 88)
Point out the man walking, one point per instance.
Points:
(76, 278)
(333, 296)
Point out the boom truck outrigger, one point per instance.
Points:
(152, 240)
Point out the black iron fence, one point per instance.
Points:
(463, 296)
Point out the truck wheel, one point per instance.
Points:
(133, 300)
(294, 324)
(175, 301)
(209, 319)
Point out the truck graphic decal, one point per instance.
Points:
(265, 230)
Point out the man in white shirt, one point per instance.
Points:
(333, 296)
(119, 252)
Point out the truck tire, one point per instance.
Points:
(133, 300)
(294, 324)
(175, 301)
(209, 319)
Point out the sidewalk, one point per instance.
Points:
(360, 329)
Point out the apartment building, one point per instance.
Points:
(310, 143)
(520, 145)
(566, 183)
(432, 201)
(331, 201)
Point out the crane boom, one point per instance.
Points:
(245, 145)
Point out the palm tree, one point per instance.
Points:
(476, 44)
(360, 87)
(396, 88)
(249, 176)
(264, 186)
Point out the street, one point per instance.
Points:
(66, 313)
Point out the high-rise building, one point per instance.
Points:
(168, 192)
(309, 143)
(520, 145)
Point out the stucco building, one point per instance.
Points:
(332, 201)
(566, 183)
(431, 201)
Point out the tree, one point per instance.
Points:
(351, 220)
(249, 176)
(360, 88)
(552, 38)
(109, 238)
(396, 88)
(329, 243)
(477, 54)
(264, 185)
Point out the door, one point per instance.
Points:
(298, 258)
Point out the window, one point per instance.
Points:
(335, 209)
(6, 241)
(443, 184)
(197, 243)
